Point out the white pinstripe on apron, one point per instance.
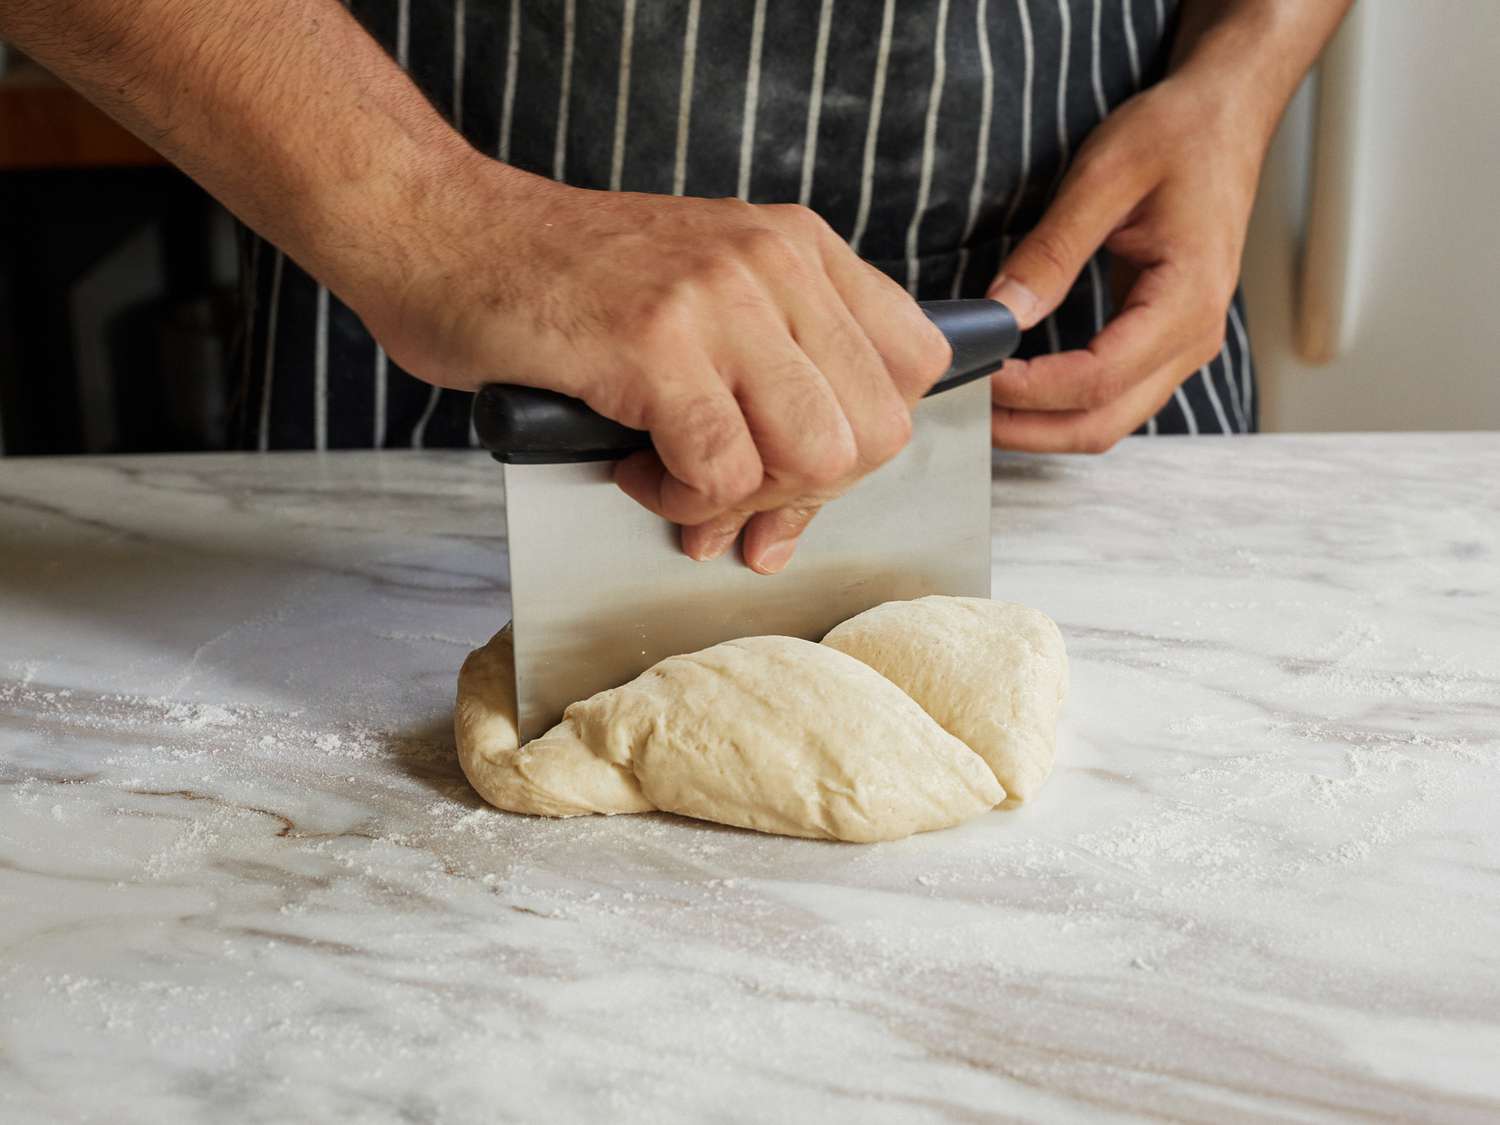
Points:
(930, 133)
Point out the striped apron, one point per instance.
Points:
(929, 133)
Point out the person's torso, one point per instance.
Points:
(915, 127)
(929, 133)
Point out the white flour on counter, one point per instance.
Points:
(191, 755)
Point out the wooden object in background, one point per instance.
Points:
(45, 124)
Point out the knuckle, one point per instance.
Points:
(888, 437)
(815, 454)
(925, 362)
(714, 269)
(802, 219)
(660, 321)
(766, 247)
(834, 462)
(738, 481)
(804, 439)
(886, 292)
(1051, 250)
(1101, 167)
(936, 355)
(733, 207)
(709, 434)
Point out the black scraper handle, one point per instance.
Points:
(529, 426)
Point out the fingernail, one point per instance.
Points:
(700, 546)
(1017, 298)
(777, 555)
(715, 547)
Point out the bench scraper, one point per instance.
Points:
(600, 589)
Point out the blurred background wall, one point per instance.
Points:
(117, 284)
(1376, 239)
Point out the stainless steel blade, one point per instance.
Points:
(600, 589)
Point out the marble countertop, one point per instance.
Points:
(242, 878)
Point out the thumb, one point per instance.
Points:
(1042, 269)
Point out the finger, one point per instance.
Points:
(709, 456)
(876, 414)
(805, 440)
(915, 353)
(1090, 204)
(640, 477)
(1086, 378)
(1163, 317)
(710, 540)
(1083, 431)
(771, 537)
(833, 340)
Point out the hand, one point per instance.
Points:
(1166, 184)
(772, 367)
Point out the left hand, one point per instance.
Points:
(1165, 184)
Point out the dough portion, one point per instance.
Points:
(772, 733)
(909, 717)
(560, 779)
(994, 674)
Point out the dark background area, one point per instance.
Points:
(118, 285)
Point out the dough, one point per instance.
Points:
(565, 780)
(993, 674)
(783, 735)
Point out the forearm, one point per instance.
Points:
(286, 110)
(1253, 53)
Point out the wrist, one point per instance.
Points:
(1237, 120)
(438, 253)
(1247, 57)
(1238, 109)
(365, 224)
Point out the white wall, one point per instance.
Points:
(1424, 347)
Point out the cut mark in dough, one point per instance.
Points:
(909, 717)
